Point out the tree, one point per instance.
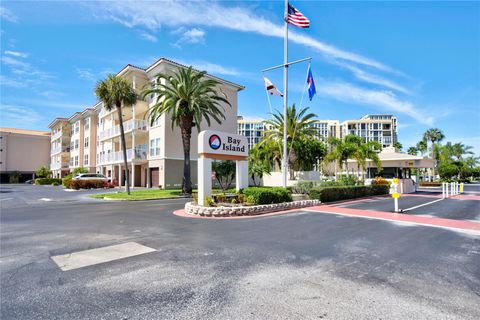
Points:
(368, 151)
(398, 146)
(117, 92)
(224, 173)
(422, 147)
(260, 161)
(43, 172)
(188, 97)
(433, 135)
(299, 124)
(343, 149)
(413, 151)
(309, 152)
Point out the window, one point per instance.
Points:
(77, 126)
(76, 144)
(86, 126)
(76, 161)
(86, 142)
(85, 160)
(154, 147)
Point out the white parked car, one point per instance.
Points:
(90, 176)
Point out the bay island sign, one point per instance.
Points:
(222, 146)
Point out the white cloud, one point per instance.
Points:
(211, 68)
(10, 82)
(7, 15)
(24, 69)
(18, 116)
(151, 15)
(383, 100)
(85, 74)
(372, 78)
(148, 36)
(191, 36)
(16, 53)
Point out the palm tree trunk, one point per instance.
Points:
(124, 148)
(186, 128)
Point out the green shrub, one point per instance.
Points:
(347, 192)
(380, 181)
(209, 202)
(262, 195)
(15, 176)
(348, 179)
(55, 183)
(67, 178)
(45, 181)
(86, 184)
(79, 170)
(430, 184)
(43, 172)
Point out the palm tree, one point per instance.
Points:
(398, 146)
(342, 150)
(117, 92)
(433, 135)
(368, 151)
(413, 151)
(459, 149)
(298, 125)
(188, 97)
(422, 147)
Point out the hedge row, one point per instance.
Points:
(259, 195)
(347, 192)
(86, 184)
(430, 184)
(47, 181)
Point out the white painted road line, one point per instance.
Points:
(422, 205)
(92, 257)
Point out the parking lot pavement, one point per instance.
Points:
(300, 265)
(19, 195)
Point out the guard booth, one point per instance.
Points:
(398, 165)
(217, 145)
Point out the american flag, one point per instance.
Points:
(296, 18)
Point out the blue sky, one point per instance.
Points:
(417, 60)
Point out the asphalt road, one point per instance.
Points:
(302, 265)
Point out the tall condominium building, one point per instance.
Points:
(154, 150)
(381, 128)
(252, 129)
(326, 129)
(378, 127)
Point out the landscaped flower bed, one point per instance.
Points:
(241, 210)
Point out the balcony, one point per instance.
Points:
(138, 153)
(59, 149)
(59, 165)
(57, 135)
(128, 126)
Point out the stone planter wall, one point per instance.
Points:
(191, 208)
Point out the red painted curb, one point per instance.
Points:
(428, 221)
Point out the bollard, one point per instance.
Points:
(446, 189)
(452, 189)
(443, 190)
(461, 187)
(458, 187)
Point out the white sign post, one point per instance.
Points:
(221, 146)
(395, 194)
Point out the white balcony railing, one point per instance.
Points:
(59, 165)
(138, 153)
(57, 135)
(60, 149)
(128, 126)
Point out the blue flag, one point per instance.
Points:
(311, 84)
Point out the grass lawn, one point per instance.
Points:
(148, 194)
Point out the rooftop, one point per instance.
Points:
(25, 131)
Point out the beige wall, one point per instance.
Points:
(24, 152)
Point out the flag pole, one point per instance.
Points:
(285, 97)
